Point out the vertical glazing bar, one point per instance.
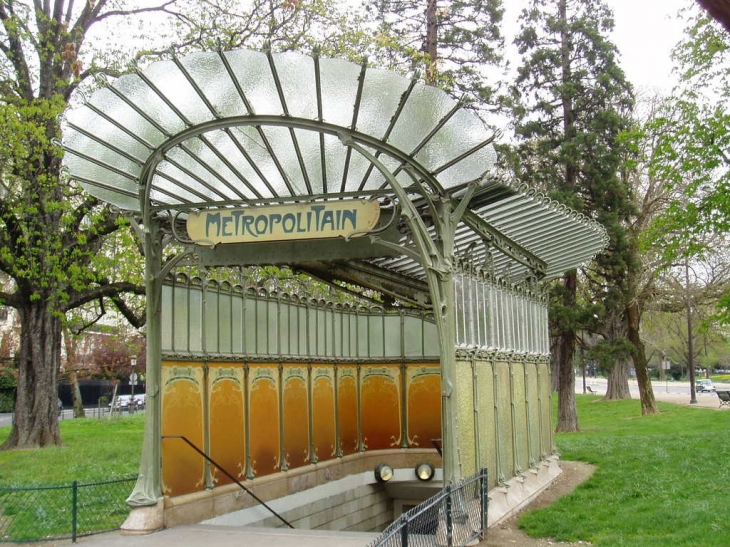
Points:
(282, 421)
(247, 420)
(404, 404)
(360, 442)
(497, 433)
(310, 414)
(206, 425)
(475, 410)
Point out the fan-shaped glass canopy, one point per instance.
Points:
(239, 128)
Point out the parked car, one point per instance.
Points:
(122, 402)
(705, 386)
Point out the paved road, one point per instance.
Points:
(6, 419)
(669, 392)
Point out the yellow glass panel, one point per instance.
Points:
(183, 469)
(227, 419)
(347, 402)
(423, 388)
(296, 416)
(381, 413)
(323, 411)
(263, 412)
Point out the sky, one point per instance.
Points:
(645, 33)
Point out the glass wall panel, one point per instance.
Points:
(393, 334)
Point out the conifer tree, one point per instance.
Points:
(571, 102)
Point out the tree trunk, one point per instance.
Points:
(72, 365)
(36, 412)
(78, 403)
(646, 393)
(618, 382)
(567, 414)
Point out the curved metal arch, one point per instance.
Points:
(159, 154)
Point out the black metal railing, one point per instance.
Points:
(227, 474)
(456, 516)
(63, 512)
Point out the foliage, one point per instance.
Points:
(693, 145)
(456, 44)
(660, 478)
(570, 103)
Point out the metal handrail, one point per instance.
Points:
(227, 474)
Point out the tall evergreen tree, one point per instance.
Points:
(452, 42)
(571, 101)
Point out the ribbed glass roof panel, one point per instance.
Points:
(255, 79)
(296, 74)
(98, 152)
(122, 114)
(140, 96)
(381, 96)
(108, 178)
(339, 90)
(170, 81)
(210, 75)
(425, 108)
(460, 134)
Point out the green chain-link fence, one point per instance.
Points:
(63, 512)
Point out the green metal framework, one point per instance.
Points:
(242, 128)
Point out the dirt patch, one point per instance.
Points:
(507, 533)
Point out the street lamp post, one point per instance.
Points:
(132, 381)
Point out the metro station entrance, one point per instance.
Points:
(358, 177)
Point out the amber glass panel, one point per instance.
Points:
(381, 421)
(263, 412)
(424, 404)
(183, 470)
(227, 433)
(347, 408)
(323, 411)
(296, 416)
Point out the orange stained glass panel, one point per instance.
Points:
(183, 470)
(323, 411)
(227, 420)
(296, 416)
(347, 402)
(263, 412)
(381, 409)
(424, 404)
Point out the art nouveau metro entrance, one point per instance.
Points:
(353, 175)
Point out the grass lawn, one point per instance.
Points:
(661, 480)
(95, 450)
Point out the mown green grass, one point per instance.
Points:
(661, 480)
(94, 450)
(36, 494)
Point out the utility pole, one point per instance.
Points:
(690, 348)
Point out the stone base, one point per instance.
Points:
(145, 520)
(509, 499)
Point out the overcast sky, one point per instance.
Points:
(645, 33)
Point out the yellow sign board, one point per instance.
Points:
(315, 220)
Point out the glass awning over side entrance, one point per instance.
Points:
(240, 128)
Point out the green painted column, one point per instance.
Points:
(148, 489)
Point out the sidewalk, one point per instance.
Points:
(231, 536)
(662, 392)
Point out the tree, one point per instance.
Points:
(570, 101)
(52, 235)
(693, 153)
(453, 42)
